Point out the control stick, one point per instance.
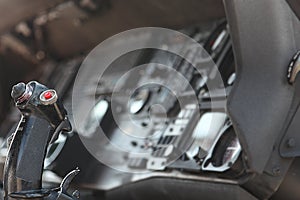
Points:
(43, 119)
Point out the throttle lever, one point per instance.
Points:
(43, 119)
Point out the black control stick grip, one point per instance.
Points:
(43, 118)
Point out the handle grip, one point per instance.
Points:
(43, 118)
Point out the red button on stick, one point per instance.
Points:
(48, 95)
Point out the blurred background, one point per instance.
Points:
(37, 36)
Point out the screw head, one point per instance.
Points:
(291, 143)
(276, 171)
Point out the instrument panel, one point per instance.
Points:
(146, 123)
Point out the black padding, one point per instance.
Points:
(265, 34)
(176, 189)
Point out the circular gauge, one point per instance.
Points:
(138, 100)
(94, 118)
